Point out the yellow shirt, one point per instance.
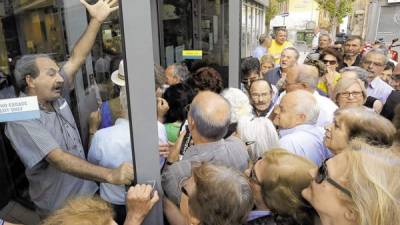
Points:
(322, 85)
(276, 49)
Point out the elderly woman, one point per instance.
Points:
(212, 195)
(357, 187)
(277, 181)
(360, 73)
(259, 135)
(350, 123)
(240, 106)
(332, 59)
(349, 92)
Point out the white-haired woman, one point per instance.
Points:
(240, 103)
(259, 134)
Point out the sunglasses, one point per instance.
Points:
(322, 174)
(330, 62)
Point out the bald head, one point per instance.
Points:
(210, 113)
(302, 77)
(296, 108)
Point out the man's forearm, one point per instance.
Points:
(81, 49)
(78, 167)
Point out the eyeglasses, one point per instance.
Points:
(247, 143)
(376, 64)
(187, 108)
(322, 174)
(347, 94)
(330, 62)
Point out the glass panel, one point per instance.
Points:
(177, 22)
(243, 32)
(213, 32)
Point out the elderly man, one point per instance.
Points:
(208, 122)
(393, 99)
(176, 73)
(279, 44)
(352, 49)
(296, 118)
(50, 147)
(305, 77)
(324, 41)
(277, 75)
(374, 62)
(261, 94)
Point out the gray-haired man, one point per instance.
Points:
(50, 147)
(176, 73)
(208, 121)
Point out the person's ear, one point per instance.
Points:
(302, 118)
(29, 80)
(350, 215)
(191, 123)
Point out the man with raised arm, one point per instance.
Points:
(50, 147)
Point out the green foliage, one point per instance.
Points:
(272, 10)
(343, 9)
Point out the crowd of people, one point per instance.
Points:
(299, 143)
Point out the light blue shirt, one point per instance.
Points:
(259, 51)
(110, 148)
(379, 89)
(305, 140)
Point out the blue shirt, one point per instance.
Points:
(110, 148)
(305, 140)
(259, 51)
(379, 89)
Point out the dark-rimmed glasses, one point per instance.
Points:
(322, 174)
(329, 62)
(347, 94)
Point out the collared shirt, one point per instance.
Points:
(305, 140)
(326, 108)
(230, 152)
(379, 89)
(110, 148)
(265, 113)
(273, 75)
(259, 51)
(357, 62)
(34, 139)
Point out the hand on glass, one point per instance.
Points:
(101, 10)
(140, 199)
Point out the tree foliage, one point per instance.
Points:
(336, 9)
(272, 10)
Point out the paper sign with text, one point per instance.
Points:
(24, 108)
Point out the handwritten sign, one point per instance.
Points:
(24, 108)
